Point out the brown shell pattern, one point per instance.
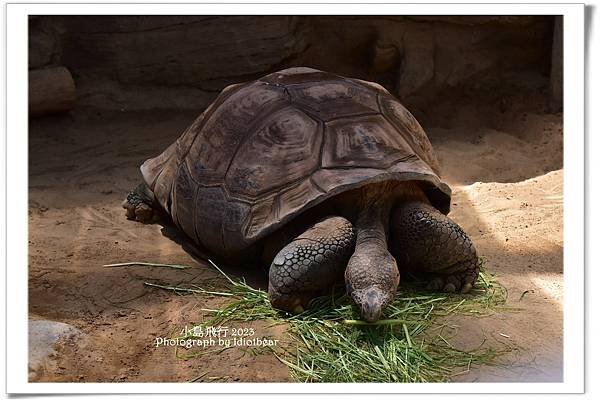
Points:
(267, 150)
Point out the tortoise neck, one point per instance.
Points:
(372, 226)
(374, 208)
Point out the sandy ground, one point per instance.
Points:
(505, 167)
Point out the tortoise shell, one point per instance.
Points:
(267, 150)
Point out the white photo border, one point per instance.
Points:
(17, 178)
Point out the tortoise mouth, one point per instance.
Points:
(370, 302)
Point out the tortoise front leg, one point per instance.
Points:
(423, 239)
(310, 264)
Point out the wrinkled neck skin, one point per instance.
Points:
(372, 275)
(372, 224)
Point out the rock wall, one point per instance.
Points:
(134, 62)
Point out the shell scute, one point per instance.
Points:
(334, 99)
(368, 141)
(406, 124)
(290, 141)
(221, 133)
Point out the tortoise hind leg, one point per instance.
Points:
(140, 205)
(310, 264)
(425, 240)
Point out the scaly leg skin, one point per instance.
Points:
(310, 264)
(140, 205)
(423, 239)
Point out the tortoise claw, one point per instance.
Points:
(436, 284)
(449, 288)
(466, 288)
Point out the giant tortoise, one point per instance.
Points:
(322, 177)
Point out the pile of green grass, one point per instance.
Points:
(331, 344)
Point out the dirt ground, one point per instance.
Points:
(503, 163)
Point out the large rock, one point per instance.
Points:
(417, 67)
(556, 74)
(44, 41)
(174, 61)
(51, 90)
(43, 336)
(207, 52)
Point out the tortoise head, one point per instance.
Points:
(371, 302)
(372, 278)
